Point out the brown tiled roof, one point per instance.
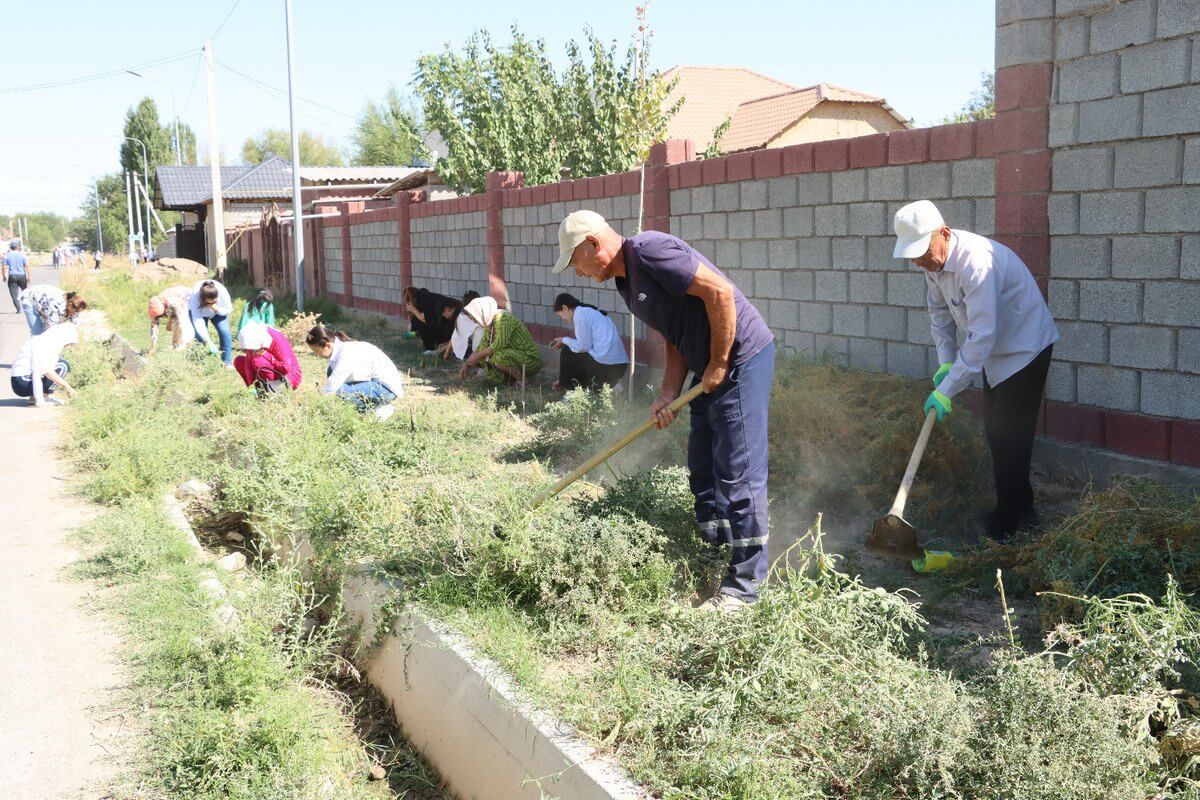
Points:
(757, 122)
(712, 94)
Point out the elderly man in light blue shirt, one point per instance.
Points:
(982, 289)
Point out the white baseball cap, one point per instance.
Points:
(575, 227)
(914, 225)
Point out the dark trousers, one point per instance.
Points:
(16, 285)
(727, 463)
(580, 369)
(23, 386)
(1010, 413)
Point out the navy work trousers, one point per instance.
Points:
(727, 460)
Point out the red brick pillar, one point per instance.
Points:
(658, 191)
(403, 201)
(1023, 163)
(494, 185)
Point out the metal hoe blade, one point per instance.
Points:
(893, 537)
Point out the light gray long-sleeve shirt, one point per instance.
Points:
(986, 290)
(198, 313)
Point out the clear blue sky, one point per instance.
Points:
(925, 57)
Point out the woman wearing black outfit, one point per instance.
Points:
(427, 314)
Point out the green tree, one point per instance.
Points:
(982, 104)
(187, 143)
(315, 150)
(113, 219)
(389, 133)
(142, 123)
(46, 229)
(507, 109)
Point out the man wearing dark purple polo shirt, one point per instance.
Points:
(713, 331)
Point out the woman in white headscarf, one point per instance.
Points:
(268, 362)
(501, 342)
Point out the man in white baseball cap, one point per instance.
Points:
(711, 330)
(982, 289)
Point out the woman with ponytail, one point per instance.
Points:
(358, 371)
(595, 355)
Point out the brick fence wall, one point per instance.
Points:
(1090, 171)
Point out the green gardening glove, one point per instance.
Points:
(212, 348)
(941, 373)
(940, 402)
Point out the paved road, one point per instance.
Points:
(58, 670)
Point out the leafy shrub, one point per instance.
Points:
(572, 425)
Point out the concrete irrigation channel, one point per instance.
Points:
(459, 709)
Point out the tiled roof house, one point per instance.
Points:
(765, 112)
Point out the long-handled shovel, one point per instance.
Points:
(892, 536)
(613, 449)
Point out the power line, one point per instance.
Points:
(283, 92)
(236, 3)
(195, 77)
(97, 76)
(279, 95)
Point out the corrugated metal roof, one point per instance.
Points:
(310, 175)
(759, 121)
(181, 188)
(711, 95)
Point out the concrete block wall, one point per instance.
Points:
(449, 252)
(813, 252)
(531, 248)
(375, 245)
(1124, 224)
(332, 252)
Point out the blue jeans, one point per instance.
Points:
(23, 386)
(221, 323)
(33, 319)
(727, 462)
(366, 394)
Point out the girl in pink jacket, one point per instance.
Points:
(267, 362)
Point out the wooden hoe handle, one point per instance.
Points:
(612, 449)
(913, 463)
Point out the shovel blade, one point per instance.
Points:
(893, 537)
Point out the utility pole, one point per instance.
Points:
(129, 215)
(174, 113)
(99, 229)
(216, 221)
(297, 203)
(146, 178)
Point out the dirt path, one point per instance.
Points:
(58, 668)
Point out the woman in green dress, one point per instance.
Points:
(506, 348)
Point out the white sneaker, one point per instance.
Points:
(54, 401)
(724, 603)
(383, 412)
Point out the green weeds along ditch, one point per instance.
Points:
(822, 689)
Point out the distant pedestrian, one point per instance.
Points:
(98, 257)
(171, 305)
(15, 272)
(260, 309)
(56, 257)
(268, 362)
(358, 371)
(39, 366)
(45, 306)
(595, 356)
(210, 302)
(982, 290)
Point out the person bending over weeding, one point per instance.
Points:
(980, 288)
(39, 366)
(358, 371)
(210, 302)
(260, 309)
(595, 356)
(268, 362)
(427, 314)
(505, 348)
(45, 305)
(171, 304)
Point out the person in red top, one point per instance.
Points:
(268, 361)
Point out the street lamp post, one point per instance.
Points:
(99, 229)
(146, 181)
(297, 203)
(174, 114)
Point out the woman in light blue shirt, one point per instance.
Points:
(595, 356)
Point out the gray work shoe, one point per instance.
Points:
(724, 603)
